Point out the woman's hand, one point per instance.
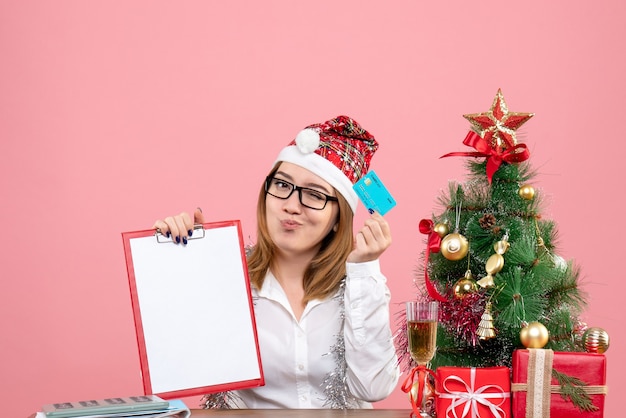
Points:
(180, 226)
(371, 240)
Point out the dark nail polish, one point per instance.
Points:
(190, 232)
(184, 240)
(177, 239)
(169, 234)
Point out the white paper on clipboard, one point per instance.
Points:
(193, 311)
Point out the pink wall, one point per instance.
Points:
(115, 113)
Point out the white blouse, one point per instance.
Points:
(297, 356)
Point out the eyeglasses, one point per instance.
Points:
(309, 198)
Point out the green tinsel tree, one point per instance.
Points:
(497, 211)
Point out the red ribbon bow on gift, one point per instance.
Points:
(472, 396)
(495, 157)
(422, 373)
(434, 244)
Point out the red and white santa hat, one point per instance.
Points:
(338, 150)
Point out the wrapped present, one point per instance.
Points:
(464, 392)
(558, 384)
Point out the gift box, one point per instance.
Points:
(473, 392)
(542, 380)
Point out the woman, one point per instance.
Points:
(321, 302)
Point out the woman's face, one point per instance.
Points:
(295, 229)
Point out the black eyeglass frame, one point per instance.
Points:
(269, 179)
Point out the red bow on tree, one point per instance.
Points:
(495, 157)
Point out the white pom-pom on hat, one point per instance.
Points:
(307, 140)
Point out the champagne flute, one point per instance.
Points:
(422, 318)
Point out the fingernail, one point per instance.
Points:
(184, 240)
(177, 239)
(169, 234)
(190, 232)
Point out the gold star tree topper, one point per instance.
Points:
(498, 125)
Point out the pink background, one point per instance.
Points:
(115, 113)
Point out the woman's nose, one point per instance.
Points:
(292, 203)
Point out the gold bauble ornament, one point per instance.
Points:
(595, 340)
(454, 246)
(441, 229)
(526, 192)
(465, 286)
(534, 335)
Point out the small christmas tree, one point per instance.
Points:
(491, 258)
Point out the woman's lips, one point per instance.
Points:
(289, 224)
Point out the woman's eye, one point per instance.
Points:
(315, 195)
(282, 184)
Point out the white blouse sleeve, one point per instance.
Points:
(373, 370)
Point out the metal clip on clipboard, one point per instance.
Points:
(198, 233)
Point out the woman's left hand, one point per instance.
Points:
(371, 240)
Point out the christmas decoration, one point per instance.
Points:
(441, 230)
(495, 263)
(338, 395)
(434, 245)
(554, 384)
(534, 335)
(219, 400)
(465, 285)
(498, 125)
(578, 331)
(454, 246)
(485, 330)
(493, 226)
(595, 340)
(494, 136)
(527, 192)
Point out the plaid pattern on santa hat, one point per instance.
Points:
(338, 150)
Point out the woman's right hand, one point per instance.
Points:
(179, 227)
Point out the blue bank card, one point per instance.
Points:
(374, 194)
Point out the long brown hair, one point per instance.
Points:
(323, 276)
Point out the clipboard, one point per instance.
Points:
(193, 311)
